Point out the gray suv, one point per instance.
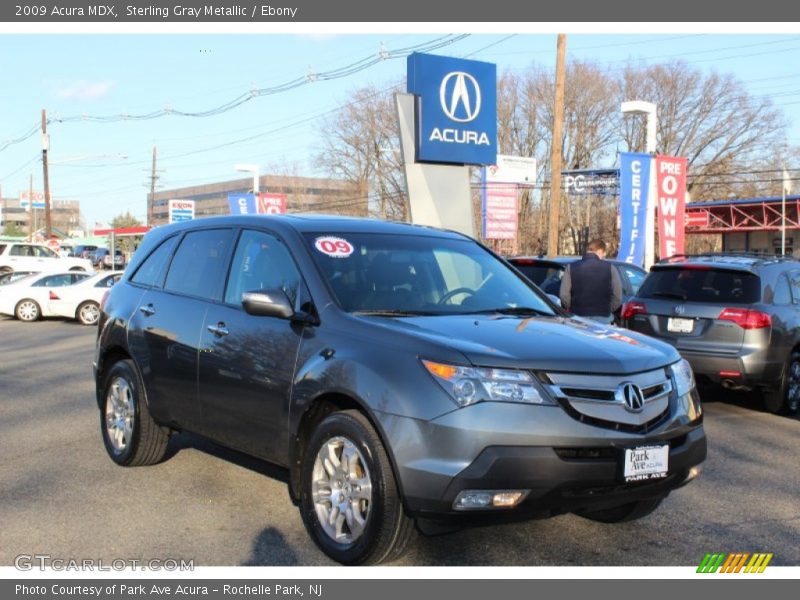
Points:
(734, 317)
(400, 373)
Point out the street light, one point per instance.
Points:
(250, 169)
(639, 107)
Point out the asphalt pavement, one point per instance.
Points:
(61, 495)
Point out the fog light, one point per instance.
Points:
(483, 499)
(694, 473)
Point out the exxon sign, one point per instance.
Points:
(456, 109)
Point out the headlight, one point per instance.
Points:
(684, 377)
(468, 385)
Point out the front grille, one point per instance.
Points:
(600, 399)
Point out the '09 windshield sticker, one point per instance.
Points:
(335, 247)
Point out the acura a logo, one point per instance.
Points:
(460, 96)
(631, 397)
(680, 309)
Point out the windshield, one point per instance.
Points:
(409, 274)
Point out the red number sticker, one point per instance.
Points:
(335, 247)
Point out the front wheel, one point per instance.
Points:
(786, 397)
(131, 436)
(88, 313)
(349, 500)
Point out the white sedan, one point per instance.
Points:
(29, 298)
(81, 301)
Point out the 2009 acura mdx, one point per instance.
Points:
(399, 372)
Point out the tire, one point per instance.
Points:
(131, 437)
(786, 397)
(28, 310)
(4, 270)
(377, 528)
(620, 514)
(88, 313)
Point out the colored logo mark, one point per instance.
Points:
(737, 562)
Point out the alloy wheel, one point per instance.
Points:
(119, 414)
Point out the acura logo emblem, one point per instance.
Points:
(631, 397)
(680, 309)
(460, 96)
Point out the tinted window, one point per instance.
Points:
(538, 274)
(151, 271)
(635, 277)
(416, 273)
(108, 281)
(42, 252)
(54, 281)
(702, 285)
(261, 262)
(200, 263)
(782, 295)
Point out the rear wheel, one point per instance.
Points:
(626, 512)
(786, 397)
(349, 499)
(131, 436)
(28, 310)
(88, 313)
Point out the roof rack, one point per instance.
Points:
(731, 256)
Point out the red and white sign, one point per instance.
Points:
(181, 210)
(53, 244)
(500, 212)
(697, 218)
(271, 204)
(335, 247)
(671, 204)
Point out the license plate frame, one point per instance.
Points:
(680, 325)
(645, 463)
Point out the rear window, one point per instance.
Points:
(538, 274)
(702, 285)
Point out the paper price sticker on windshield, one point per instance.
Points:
(335, 247)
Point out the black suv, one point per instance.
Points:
(734, 317)
(399, 372)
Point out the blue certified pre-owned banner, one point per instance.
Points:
(456, 109)
(634, 184)
(242, 204)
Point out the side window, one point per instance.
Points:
(200, 263)
(782, 294)
(635, 277)
(76, 277)
(261, 262)
(21, 250)
(151, 271)
(108, 281)
(42, 252)
(54, 281)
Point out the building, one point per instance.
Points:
(65, 216)
(303, 194)
(748, 224)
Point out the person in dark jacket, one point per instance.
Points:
(591, 287)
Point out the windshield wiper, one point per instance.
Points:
(676, 295)
(393, 313)
(515, 310)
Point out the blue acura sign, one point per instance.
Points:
(456, 109)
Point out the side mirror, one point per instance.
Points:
(268, 303)
(554, 299)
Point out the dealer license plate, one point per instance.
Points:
(646, 462)
(680, 325)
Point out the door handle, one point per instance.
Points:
(219, 329)
(148, 310)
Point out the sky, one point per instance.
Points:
(106, 165)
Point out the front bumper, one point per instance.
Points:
(567, 465)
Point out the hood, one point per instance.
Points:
(544, 343)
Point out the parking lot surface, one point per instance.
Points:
(61, 495)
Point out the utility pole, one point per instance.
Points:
(31, 224)
(153, 178)
(555, 153)
(48, 225)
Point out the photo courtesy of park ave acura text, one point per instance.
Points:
(308, 298)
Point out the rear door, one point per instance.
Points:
(697, 307)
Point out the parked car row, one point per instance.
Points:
(70, 294)
(23, 256)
